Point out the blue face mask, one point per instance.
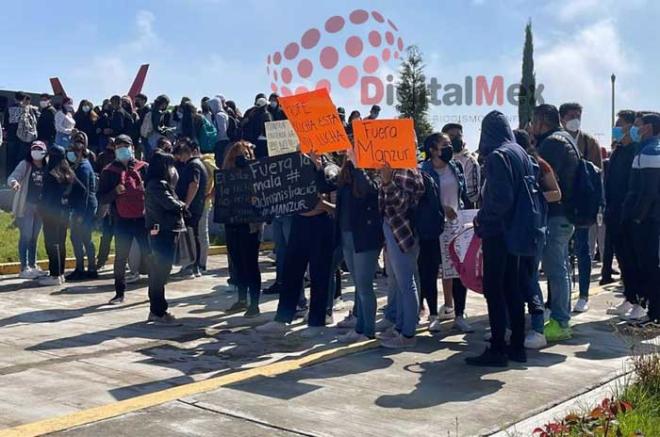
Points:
(123, 154)
(617, 133)
(71, 156)
(634, 134)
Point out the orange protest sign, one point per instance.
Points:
(381, 141)
(316, 122)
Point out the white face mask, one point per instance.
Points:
(86, 108)
(38, 155)
(43, 104)
(573, 125)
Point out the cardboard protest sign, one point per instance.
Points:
(451, 231)
(268, 187)
(314, 118)
(281, 138)
(381, 141)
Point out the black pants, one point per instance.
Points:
(55, 224)
(193, 223)
(627, 255)
(243, 248)
(428, 263)
(612, 233)
(220, 149)
(459, 292)
(310, 243)
(163, 247)
(125, 231)
(106, 239)
(646, 239)
(505, 279)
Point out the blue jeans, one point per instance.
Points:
(583, 254)
(534, 299)
(81, 240)
(401, 268)
(363, 267)
(29, 227)
(281, 233)
(555, 265)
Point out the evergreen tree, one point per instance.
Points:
(527, 99)
(412, 93)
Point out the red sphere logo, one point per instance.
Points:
(346, 50)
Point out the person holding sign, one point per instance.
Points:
(361, 236)
(399, 194)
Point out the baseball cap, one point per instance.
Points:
(123, 139)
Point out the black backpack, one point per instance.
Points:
(583, 206)
(428, 218)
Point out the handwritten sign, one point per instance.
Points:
(266, 188)
(281, 138)
(314, 118)
(381, 141)
(451, 231)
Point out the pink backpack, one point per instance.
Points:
(466, 255)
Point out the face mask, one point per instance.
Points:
(273, 104)
(617, 133)
(71, 156)
(446, 154)
(123, 154)
(241, 161)
(86, 108)
(573, 125)
(634, 134)
(457, 144)
(38, 155)
(43, 104)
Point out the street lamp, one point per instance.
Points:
(613, 77)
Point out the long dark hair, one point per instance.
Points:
(159, 166)
(187, 122)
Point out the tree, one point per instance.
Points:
(527, 99)
(412, 93)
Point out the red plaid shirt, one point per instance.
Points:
(396, 199)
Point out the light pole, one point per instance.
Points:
(613, 77)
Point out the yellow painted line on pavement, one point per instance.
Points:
(137, 403)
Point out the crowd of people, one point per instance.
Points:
(144, 175)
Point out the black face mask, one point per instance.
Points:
(446, 154)
(457, 144)
(241, 161)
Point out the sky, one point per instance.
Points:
(202, 48)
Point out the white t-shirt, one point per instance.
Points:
(448, 187)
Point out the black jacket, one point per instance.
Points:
(46, 126)
(562, 157)
(642, 202)
(163, 207)
(85, 124)
(617, 178)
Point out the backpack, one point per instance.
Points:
(587, 197)
(27, 126)
(147, 127)
(428, 218)
(130, 203)
(525, 233)
(207, 136)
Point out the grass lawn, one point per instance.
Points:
(9, 241)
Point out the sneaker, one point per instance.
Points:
(349, 322)
(329, 320)
(76, 275)
(27, 273)
(435, 325)
(197, 274)
(535, 340)
(301, 312)
(606, 280)
(312, 331)
(647, 323)
(38, 273)
(462, 325)
(51, 280)
(237, 307)
(581, 306)
(488, 336)
(184, 273)
(489, 358)
(398, 342)
(252, 312)
(166, 319)
(92, 274)
(132, 278)
(388, 334)
(554, 332)
(383, 324)
(273, 289)
(517, 355)
(621, 310)
(119, 298)
(352, 337)
(272, 328)
(636, 313)
(446, 313)
(546, 314)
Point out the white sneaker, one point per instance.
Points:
(546, 314)
(462, 325)
(621, 310)
(534, 340)
(272, 328)
(131, 278)
(352, 337)
(488, 336)
(446, 313)
(312, 331)
(27, 273)
(49, 281)
(329, 320)
(581, 306)
(38, 273)
(435, 325)
(636, 313)
(398, 342)
(383, 324)
(350, 321)
(389, 333)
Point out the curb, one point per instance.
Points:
(15, 267)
